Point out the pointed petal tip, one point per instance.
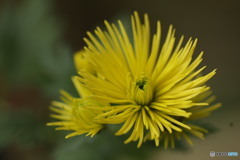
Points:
(49, 124)
(67, 137)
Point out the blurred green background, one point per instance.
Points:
(38, 39)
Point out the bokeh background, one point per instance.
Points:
(38, 39)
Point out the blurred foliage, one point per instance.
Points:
(31, 47)
(104, 146)
(21, 127)
(34, 64)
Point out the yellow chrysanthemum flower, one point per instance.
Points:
(153, 91)
(75, 115)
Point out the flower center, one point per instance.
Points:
(141, 83)
(141, 91)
